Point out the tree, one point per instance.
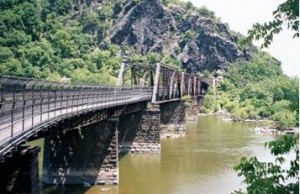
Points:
(268, 177)
(286, 13)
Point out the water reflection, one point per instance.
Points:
(201, 162)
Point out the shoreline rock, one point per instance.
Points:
(274, 131)
(267, 129)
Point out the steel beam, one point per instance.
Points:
(156, 82)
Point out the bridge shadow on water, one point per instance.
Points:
(75, 189)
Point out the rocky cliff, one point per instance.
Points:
(199, 42)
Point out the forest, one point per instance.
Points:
(257, 89)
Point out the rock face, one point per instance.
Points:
(199, 42)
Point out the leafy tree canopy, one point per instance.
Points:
(286, 13)
(269, 177)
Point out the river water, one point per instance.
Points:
(199, 163)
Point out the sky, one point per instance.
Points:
(242, 14)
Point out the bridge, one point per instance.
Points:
(85, 127)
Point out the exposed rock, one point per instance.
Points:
(149, 26)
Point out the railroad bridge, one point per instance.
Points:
(86, 127)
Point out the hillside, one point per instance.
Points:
(86, 41)
(193, 35)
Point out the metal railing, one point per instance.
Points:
(26, 103)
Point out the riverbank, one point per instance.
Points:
(264, 126)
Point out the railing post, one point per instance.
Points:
(41, 103)
(156, 83)
(73, 96)
(32, 105)
(49, 99)
(55, 100)
(61, 99)
(23, 108)
(12, 110)
(67, 102)
(2, 96)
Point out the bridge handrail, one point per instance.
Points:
(26, 103)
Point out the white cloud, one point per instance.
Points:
(242, 14)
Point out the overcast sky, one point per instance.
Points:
(242, 14)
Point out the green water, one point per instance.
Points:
(199, 163)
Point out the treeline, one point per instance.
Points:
(39, 39)
(257, 89)
(65, 39)
(61, 39)
(202, 11)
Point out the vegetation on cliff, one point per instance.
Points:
(257, 89)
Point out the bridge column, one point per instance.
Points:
(192, 113)
(140, 132)
(173, 119)
(87, 155)
(19, 173)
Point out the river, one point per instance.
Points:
(199, 163)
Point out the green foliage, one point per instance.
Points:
(285, 118)
(239, 113)
(189, 6)
(138, 58)
(261, 66)
(257, 89)
(53, 39)
(153, 58)
(286, 13)
(269, 177)
(173, 61)
(210, 103)
(61, 7)
(203, 11)
(186, 101)
(12, 67)
(5, 53)
(188, 35)
(136, 1)
(173, 2)
(207, 74)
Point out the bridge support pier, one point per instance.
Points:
(19, 173)
(140, 132)
(80, 156)
(173, 119)
(192, 113)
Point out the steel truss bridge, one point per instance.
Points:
(28, 106)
